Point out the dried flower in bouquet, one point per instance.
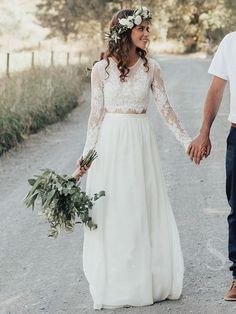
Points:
(87, 160)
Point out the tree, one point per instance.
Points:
(64, 18)
(60, 16)
(231, 5)
(161, 10)
(198, 23)
(101, 11)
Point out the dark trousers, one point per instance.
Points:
(231, 195)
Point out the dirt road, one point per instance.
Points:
(43, 275)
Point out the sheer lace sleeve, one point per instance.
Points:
(167, 112)
(97, 110)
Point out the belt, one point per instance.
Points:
(128, 111)
(233, 125)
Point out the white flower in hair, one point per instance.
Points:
(130, 18)
(138, 20)
(138, 11)
(127, 23)
(130, 25)
(145, 12)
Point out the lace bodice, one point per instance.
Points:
(109, 94)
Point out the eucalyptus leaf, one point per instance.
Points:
(63, 202)
(31, 181)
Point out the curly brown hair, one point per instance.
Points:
(120, 49)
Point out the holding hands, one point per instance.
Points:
(199, 147)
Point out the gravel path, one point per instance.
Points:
(43, 275)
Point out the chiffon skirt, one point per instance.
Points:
(134, 257)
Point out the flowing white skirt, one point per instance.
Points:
(134, 256)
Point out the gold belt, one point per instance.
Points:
(129, 111)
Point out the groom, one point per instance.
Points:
(223, 69)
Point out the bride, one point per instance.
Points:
(134, 257)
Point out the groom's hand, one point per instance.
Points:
(199, 147)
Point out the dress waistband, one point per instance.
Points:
(117, 115)
(127, 112)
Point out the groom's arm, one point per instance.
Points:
(201, 145)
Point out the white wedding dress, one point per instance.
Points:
(134, 256)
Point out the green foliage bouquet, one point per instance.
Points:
(62, 199)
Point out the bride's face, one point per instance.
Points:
(140, 35)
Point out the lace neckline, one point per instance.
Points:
(131, 67)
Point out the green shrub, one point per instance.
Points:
(33, 99)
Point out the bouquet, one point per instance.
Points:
(62, 200)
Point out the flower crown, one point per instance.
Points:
(129, 22)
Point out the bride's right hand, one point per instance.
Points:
(80, 171)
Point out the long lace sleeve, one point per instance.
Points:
(167, 112)
(97, 110)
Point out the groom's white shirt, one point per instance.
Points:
(223, 65)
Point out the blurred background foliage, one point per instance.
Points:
(198, 24)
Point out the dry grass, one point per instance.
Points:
(33, 99)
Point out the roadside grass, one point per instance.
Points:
(33, 99)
